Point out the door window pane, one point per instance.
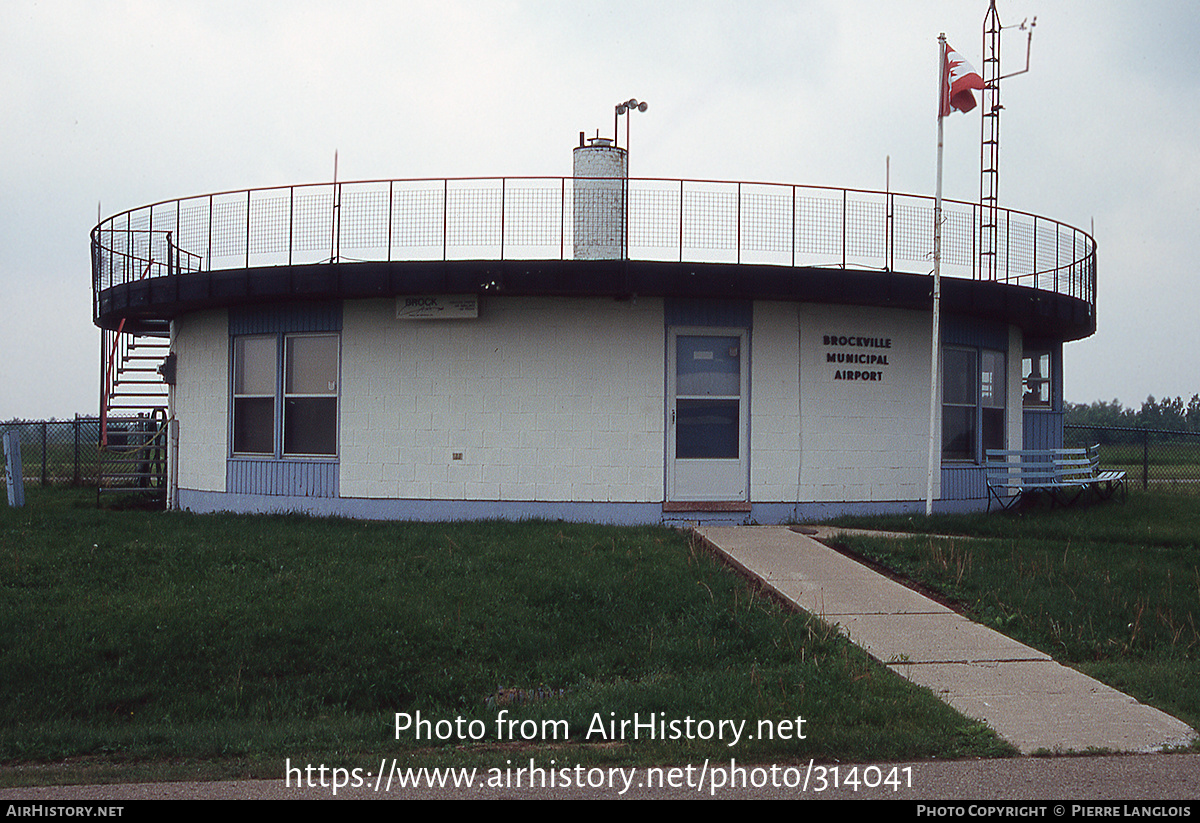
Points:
(708, 366)
(958, 432)
(993, 429)
(706, 429)
(991, 401)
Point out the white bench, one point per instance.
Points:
(1064, 474)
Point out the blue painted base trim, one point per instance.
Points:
(771, 513)
(207, 502)
(292, 478)
(424, 510)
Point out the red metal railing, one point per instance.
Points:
(539, 218)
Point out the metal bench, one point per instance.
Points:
(1064, 474)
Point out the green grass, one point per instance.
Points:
(159, 645)
(1111, 589)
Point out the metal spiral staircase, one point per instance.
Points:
(133, 411)
(136, 364)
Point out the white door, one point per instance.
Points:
(707, 426)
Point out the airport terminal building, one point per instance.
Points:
(593, 347)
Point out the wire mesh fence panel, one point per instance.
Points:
(269, 216)
(911, 233)
(818, 229)
(654, 221)
(767, 221)
(959, 233)
(193, 226)
(1150, 458)
(533, 219)
(1016, 252)
(866, 232)
(58, 452)
(418, 221)
(229, 227)
(473, 223)
(710, 221)
(362, 224)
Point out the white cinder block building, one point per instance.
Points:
(586, 348)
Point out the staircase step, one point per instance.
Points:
(135, 460)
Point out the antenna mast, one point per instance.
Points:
(989, 149)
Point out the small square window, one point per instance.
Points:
(1035, 380)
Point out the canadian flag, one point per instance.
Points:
(958, 78)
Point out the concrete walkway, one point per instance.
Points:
(1031, 701)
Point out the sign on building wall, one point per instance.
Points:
(437, 307)
(855, 357)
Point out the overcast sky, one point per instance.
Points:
(112, 105)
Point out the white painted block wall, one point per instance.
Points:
(775, 434)
(200, 399)
(864, 440)
(563, 400)
(544, 399)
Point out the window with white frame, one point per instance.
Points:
(254, 369)
(973, 403)
(310, 395)
(285, 395)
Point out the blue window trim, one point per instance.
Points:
(978, 447)
(280, 397)
(277, 474)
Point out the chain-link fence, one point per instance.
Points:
(58, 452)
(1149, 457)
(66, 452)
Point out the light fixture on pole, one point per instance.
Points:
(625, 108)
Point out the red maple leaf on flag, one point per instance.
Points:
(958, 78)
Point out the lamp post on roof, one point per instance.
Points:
(626, 108)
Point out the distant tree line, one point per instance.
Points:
(1170, 414)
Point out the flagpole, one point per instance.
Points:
(937, 281)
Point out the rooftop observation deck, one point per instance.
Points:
(517, 236)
